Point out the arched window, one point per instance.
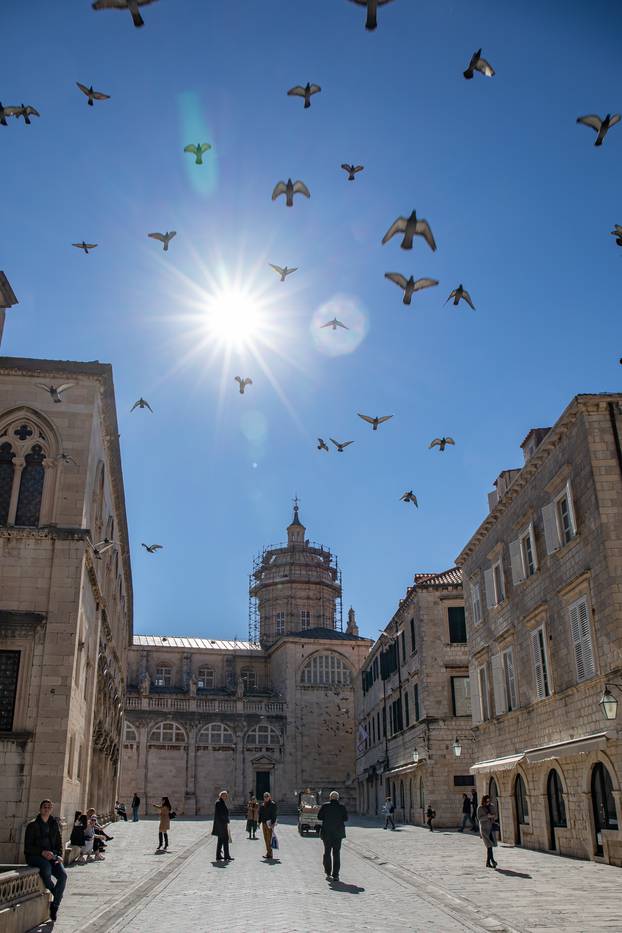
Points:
(167, 733)
(205, 678)
(522, 805)
(324, 669)
(31, 488)
(402, 802)
(130, 736)
(216, 734)
(263, 735)
(555, 795)
(603, 804)
(163, 677)
(249, 678)
(7, 471)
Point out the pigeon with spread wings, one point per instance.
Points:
(152, 548)
(56, 392)
(340, 447)
(84, 246)
(410, 227)
(306, 92)
(91, 94)
(371, 22)
(243, 383)
(352, 170)
(101, 547)
(197, 151)
(460, 293)
(131, 5)
(617, 233)
(409, 286)
(374, 421)
(7, 112)
(410, 497)
(441, 443)
(26, 111)
(284, 271)
(164, 238)
(600, 127)
(334, 324)
(66, 458)
(480, 64)
(289, 189)
(322, 445)
(141, 403)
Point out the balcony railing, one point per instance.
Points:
(204, 705)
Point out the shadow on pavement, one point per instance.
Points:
(512, 874)
(271, 861)
(345, 888)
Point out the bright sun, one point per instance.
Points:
(234, 318)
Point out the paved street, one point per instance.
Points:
(407, 880)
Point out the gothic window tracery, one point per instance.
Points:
(7, 471)
(25, 450)
(31, 488)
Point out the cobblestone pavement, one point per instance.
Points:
(410, 879)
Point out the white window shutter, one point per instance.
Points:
(476, 708)
(534, 552)
(537, 664)
(511, 678)
(489, 586)
(476, 603)
(516, 560)
(573, 521)
(582, 640)
(498, 684)
(551, 531)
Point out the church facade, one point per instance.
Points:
(274, 713)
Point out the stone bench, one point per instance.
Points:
(24, 900)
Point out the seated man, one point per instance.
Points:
(120, 810)
(43, 848)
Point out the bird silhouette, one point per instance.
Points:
(164, 238)
(131, 5)
(334, 324)
(322, 445)
(85, 246)
(197, 151)
(26, 111)
(371, 22)
(91, 94)
(152, 548)
(480, 64)
(617, 233)
(56, 392)
(141, 403)
(601, 127)
(374, 421)
(409, 497)
(340, 447)
(243, 383)
(441, 443)
(409, 286)
(459, 293)
(7, 112)
(410, 227)
(352, 170)
(67, 459)
(289, 189)
(283, 272)
(305, 92)
(102, 546)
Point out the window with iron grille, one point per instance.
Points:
(9, 670)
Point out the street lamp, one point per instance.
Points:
(608, 702)
(457, 747)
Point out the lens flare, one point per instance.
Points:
(349, 311)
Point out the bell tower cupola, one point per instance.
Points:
(296, 530)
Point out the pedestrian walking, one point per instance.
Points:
(474, 809)
(220, 829)
(487, 818)
(165, 823)
(135, 806)
(333, 816)
(430, 814)
(388, 809)
(252, 817)
(43, 849)
(267, 817)
(466, 813)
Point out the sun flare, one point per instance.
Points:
(234, 318)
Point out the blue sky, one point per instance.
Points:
(519, 200)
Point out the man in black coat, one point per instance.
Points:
(333, 816)
(43, 848)
(220, 828)
(267, 818)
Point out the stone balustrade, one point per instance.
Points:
(205, 705)
(24, 902)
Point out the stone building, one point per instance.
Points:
(273, 713)
(65, 610)
(542, 577)
(413, 703)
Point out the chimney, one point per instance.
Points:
(532, 442)
(502, 483)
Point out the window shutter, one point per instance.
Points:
(498, 685)
(476, 710)
(582, 640)
(534, 553)
(551, 531)
(537, 663)
(573, 521)
(489, 586)
(476, 603)
(511, 679)
(516, 560)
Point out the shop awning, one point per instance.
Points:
(496, 764)
(580, 746)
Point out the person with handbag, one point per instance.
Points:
(220, 829)
(267, 818)
(166, 815)
(488, 825)
(333, 816)
(252, 817)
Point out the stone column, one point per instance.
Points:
(190, 798)
(142, 764)
(18, 466)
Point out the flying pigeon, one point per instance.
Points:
(480, 64)
(131, 5)
(197, 151)
(152, 548)
(283, 272)
(409, 286)
(374, 421)
(410, 497)
(91, 94)
(56, 392)
(26, 111)
(305, 92)
(85, 246)
(334, 324)
(372, 8)
(339, 446)
(441, 443)
(617, 233)
(351, 170)
(67, 459)
(322, 445)
(141, 403)
(7, 112)
(164, 238)
(601, 127)
(410, 227)
(99, 548)
(243, 383)
(459, 293)
(289, 190)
